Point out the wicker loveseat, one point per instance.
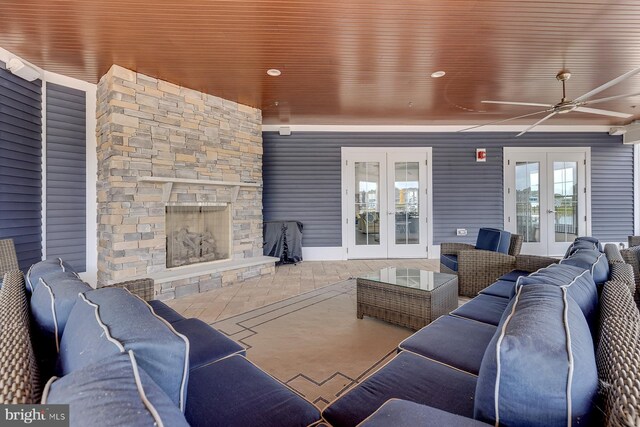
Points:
(479, 265)
(118, 360)
(567, 339)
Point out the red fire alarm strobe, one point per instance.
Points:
(481, 154)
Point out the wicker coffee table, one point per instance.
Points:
(406, 296)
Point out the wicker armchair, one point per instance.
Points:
(634, 241)
(8, 258)
(477, 269)
(144, 288)
(632, 256)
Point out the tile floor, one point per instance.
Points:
(288, 281)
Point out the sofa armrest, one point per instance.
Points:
(144, 288)
(533, 263)
(454, 248)
(477, 269)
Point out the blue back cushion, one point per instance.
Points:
(44, 269)
(579, 283)
(584, 243)
(541, 349)
(111, 320)
(592, 260)
(110, 392)
(505, 242)
(51, 304)
(488, 239)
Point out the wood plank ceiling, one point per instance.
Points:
(346, 61)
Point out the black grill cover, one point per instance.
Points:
(283, 240)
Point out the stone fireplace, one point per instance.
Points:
(197, 233)
(179, 186)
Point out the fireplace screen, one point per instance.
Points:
(197, 234)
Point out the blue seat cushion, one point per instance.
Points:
(514, 275)
(206, 344)
(109, 321)
(541, 349)
(233, 392)
(113, 391)
(592, 260)
(579, 283)
(164, 311)
(452, 340)
(483, 308)
(402, 413)
(451, 261)
(501, 288)
(407, 376)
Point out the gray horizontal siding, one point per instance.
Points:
(302, 179)
(66, 175)
(20, 165)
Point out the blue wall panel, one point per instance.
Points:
(302, 174)
(66, 175)
(20, 165)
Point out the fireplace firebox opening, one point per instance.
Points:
(198, 233)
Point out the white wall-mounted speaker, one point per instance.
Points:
(284, 130)
(22, 70)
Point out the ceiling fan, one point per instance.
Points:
(565, 105)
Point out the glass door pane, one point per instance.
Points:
(528, 200)
(565, 201)
(407, 207)
(367, 203)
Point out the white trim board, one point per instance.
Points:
(434, 128)
(338, 253)
(91, 275)
(332, 253)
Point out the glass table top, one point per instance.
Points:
(409, 278)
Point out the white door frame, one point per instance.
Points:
(344, 151)
(507, 177)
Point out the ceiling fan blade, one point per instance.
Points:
(537, 123)
(603, 112)
(607, 85)
(610, 98)
(528, 104)
(502, 121)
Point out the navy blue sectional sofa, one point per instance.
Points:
(118, 360)
(523, 352)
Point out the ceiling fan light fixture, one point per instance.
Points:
(273, 72)
(438, 74)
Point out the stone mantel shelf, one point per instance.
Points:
(168, 184)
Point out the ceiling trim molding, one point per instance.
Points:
(434, 128)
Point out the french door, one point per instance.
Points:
(546, 197)
(385, 202)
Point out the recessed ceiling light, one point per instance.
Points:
(274, 72)
(438, 74)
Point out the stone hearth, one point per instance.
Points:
(161, 145)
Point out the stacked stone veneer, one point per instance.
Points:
(148, 127)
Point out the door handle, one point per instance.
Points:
(550, 211)
(391, 213)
